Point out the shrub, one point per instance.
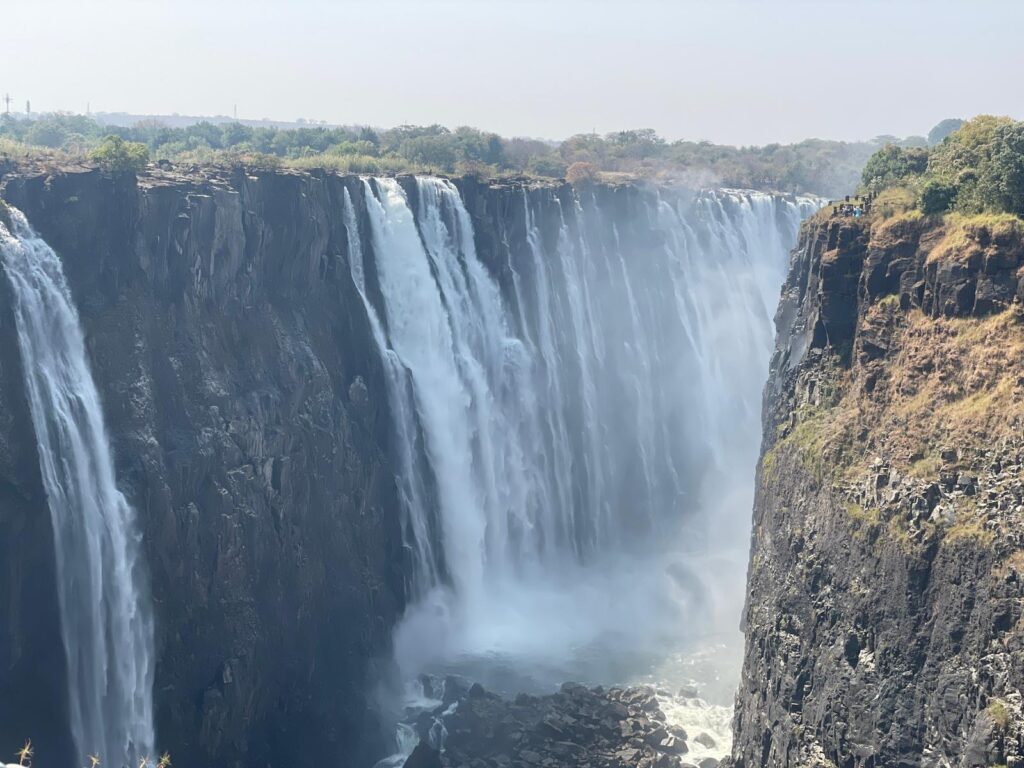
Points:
(937, 196)
(892, 164)
(581, 172)
(547, 165)
(116, 155)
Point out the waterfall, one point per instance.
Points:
(105, 621)
(587, 405)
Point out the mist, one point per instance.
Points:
(578, 424)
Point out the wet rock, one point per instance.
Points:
(423, 756)
(578, 726)
(627, 756)
(427, 683)
(705, 740)
(476, 691)
(455, 688)
(530, 757)
(673, 745)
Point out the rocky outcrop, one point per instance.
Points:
(240, 386)
(578, 726)
(886, 585)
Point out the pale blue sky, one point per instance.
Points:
(732, 71)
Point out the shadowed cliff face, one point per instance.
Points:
(239, 387)
(237, 346)
(885, 585)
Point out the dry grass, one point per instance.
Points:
(926, 468)
(969, 531)
(949, 382)
(952, 382)
(999, 713)
(967, 237)
(894, 202)
(894, 231)
(1014, 563)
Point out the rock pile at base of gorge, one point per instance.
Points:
(578, 726)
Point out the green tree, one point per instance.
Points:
(963, 157)
(207, 132)
(937, 196)
(233, 134)
(116, 155)
(1001, 176)
(438, 151)
(944, 129)
(891, 165)
(46, 133)
(546, 165)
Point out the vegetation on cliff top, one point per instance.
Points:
(976, 168)
(115, 154)
(815, 166)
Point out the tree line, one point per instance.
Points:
(814, 166)
(973, 167)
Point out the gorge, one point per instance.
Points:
(374, 427)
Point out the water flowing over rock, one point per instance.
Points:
(343, 404)
(578, 387)
(106, 620)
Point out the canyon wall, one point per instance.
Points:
(245, 332)
(883, 619)
(239, 385)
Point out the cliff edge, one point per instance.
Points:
(884, 608)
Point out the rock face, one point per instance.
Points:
(577, 726)
(883, 619)
(248, 410)
(234, 366)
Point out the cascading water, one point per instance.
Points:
(577, 428)
(105, 622)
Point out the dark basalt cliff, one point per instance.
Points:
(886, 585)
(247, 408)
(242, 394)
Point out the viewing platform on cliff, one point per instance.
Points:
(851, 205)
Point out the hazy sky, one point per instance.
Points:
(731, 71)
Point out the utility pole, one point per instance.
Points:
(28, 108)
(235, 112)
(7, 103)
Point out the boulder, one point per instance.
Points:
(672, 745)
(423, 756)
(705, 740)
